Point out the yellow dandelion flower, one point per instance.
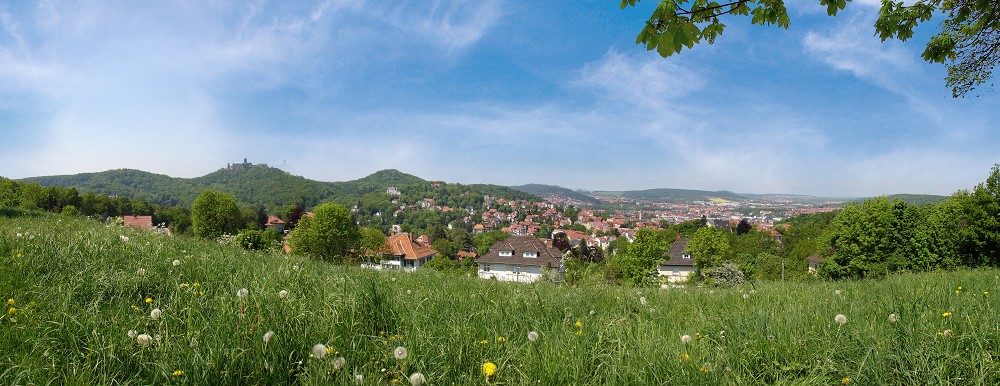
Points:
(579, 332)
(184, 285)
(698, 336)
(946, 314)
(845, 381)
(489, 369)
(579, 324)
(197, 284)
(685, 357)
(11, 311)
(178, 373)
(501, 339)
(986, 292)
(135, 307)
(484, 342)
(149, 300)
(395, 380)
(10, 302)
(705, 369)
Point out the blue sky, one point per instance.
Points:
(483, 91)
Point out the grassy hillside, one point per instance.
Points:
(82, 297)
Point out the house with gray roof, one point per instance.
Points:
(519, 258)
(677, 265)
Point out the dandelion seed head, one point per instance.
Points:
(268, 335)
(836, 292)
(155, 313)
(359, 379)
(893, 318)
(242, 293)
(338, 363)
(141, 271)
(176, 262)
(319, 350)
(840, 319)
(686, 339)
(400, 353)
(417, 379)
(533, 336)
(143, 339)
(947, 333)
(282, 294)
(132, 334)
(642, 300)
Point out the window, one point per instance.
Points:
(530, 254)
(486, 267)
(677, 272)
(686, 256)
(506, 253)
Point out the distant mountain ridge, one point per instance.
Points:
(542, 190)
(667, 194)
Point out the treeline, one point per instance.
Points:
(880, 236)
(32, 196)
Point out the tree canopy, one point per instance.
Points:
(968, 43)
(329, 234)
(215, 213)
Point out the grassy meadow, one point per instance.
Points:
(80, 298)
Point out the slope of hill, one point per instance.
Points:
(542, 190)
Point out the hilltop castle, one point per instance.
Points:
(243, 166)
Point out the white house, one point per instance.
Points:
(519, 258)
(677, 265)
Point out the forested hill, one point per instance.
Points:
(551, 190)
(259, 184)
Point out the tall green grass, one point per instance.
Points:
(78, 291)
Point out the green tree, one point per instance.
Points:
(967, 43)
(709, 247)
(372, 242)
(486, 240)
(328, 235)
(639, 259)
(214, 214)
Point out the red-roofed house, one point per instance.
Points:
(276, 223)
(142, 222)
(406, 254)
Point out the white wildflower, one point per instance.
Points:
(893, 318)
(177, 262)
(319, 350)
(124, 238)
(400, 353)
(267, 336)
(642, 300)
(242, 293)
(338, 363)
(282, 294)
(533, 336)
(417, 379)
(155, 313)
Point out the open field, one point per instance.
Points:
(76, 288)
